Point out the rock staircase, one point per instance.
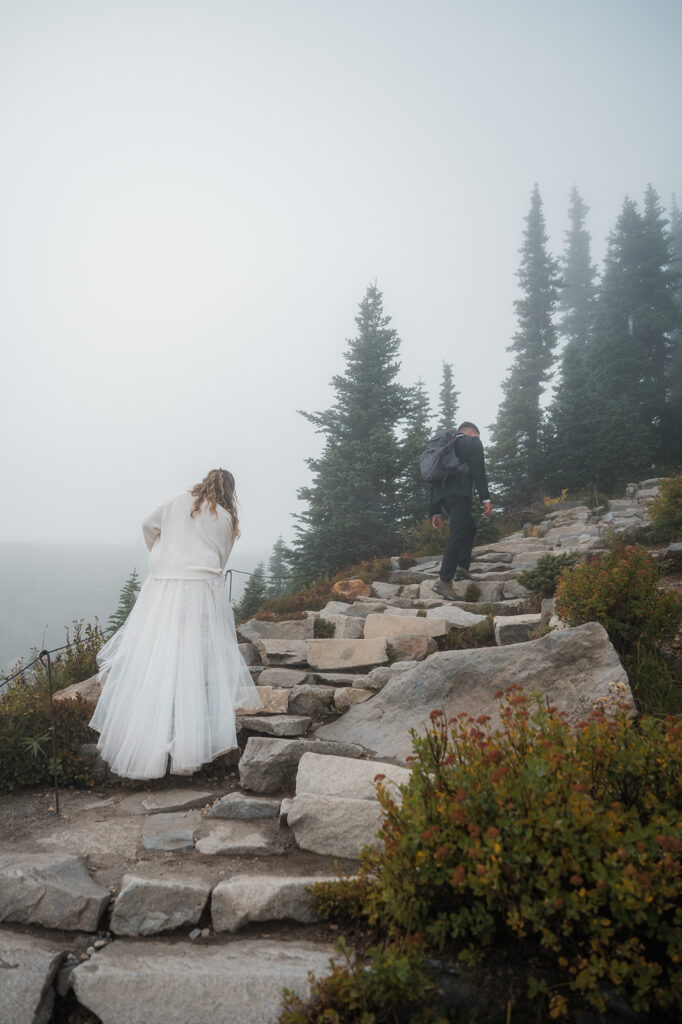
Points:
(189, 903)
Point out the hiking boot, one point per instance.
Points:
(444, 588)
(462, 574)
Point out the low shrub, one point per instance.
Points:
(545, 575)
(388, 984)
(666, 511)
(464, 639)
(323, 629)
(316, 594)
(25, 738)
(619, 590)
(25, 728)
(566, 841)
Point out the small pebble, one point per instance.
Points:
(84, 956)
(100, 943)
(195, 934)
(90, 950)
(205, 932)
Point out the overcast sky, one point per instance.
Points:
(195, 194)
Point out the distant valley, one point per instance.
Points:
(44, 587)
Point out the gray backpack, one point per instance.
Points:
(438, 461)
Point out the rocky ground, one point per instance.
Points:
(185, 899)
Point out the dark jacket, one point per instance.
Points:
(469, 450)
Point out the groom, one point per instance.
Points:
(452, 499)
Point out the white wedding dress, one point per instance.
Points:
(173, 675)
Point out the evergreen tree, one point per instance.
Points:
(414, 492)
(279, 570)
(633, 343)
(253, 596)
(656, 324)
(353, 505)
(447, 400)
(675, 367)
(571, 418)
(126, 600)
(516, 458)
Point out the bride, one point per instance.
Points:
(173, 674)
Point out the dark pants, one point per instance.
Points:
(462, 532)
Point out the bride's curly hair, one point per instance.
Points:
(217, 488)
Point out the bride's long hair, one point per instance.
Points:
(217, 488)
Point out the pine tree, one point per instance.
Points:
(253, 596)
(126, 600)
(515, 457)
(414, 492)
(571, 418)
(656, 324)
(633, 344)
(675, 366)
(448, 398)
(279, 569)
(353, 506)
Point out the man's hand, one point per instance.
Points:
(438, 522)
(487, 507)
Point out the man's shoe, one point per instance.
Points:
(444, 588)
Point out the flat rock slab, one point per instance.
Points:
(170, 832)
(346, 777)
(276, 725)
(515, 629)
(311, 699)
(286, 653)
(391, 626)
(275, 701)
(283, 677)
(99, 841)
(571, 668)
(236, 839)
(239, 806)
(338, 654)
(269, 765)
(346, 627)
(167, 800)
(89, 691)
(243, 899)
(147, 906)
(455, 616)
(28, 965)
(487, 592)
(339, 678)
(262, 629)
(334, 826)
(49, 889)
(154, 982)
(347, 695)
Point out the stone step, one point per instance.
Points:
(170, 982)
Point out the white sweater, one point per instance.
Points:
(185, 547)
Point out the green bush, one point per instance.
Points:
(545, 575)
(666, 511)
(323, 629)
(316, 594)
(25, 738)
(78, 661)
(388, 984)
(619, 590)
(566, 841)
(25, 729)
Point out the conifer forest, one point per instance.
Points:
(591, 400)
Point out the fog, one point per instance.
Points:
(194, 197)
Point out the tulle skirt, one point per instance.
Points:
(172, 677)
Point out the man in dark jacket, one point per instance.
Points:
(452, 499)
